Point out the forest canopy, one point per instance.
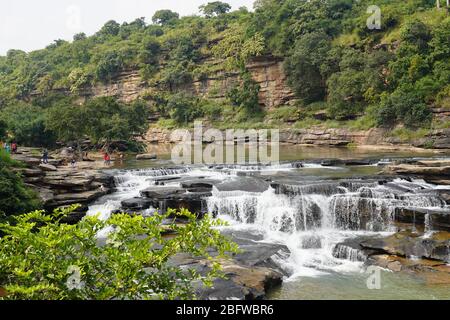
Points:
(385, 76)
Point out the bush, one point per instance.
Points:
(403, 106)
(42, 258)
(15, 197)
(183, 108)
(245, 96)
(26, 123)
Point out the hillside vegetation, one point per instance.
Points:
(334, 63)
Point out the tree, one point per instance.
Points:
(69, 122)
(110, 28)
(79, 36)
(303, 66)
(245, 95)
(26, 123)
(164, 17)
(109, 64)
(102, 120)
(236, 48)
(15, 197)
(3, 129)
(215, 8)
(108, 120)
(183, 108)
(43, 258)
(406, 106)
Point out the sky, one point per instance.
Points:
(33, 24)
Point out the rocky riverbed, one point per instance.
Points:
(292, 220)
(60, 184)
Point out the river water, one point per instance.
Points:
(308, 209)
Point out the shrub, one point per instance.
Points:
(42, 258)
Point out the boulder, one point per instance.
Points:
(436, 220)
(48, 167)
(137, 204)
(146, 156)
(246, 184)
(82, 197)
(249, 275)
(405, 244)
(161, 192)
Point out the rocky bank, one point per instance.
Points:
(59, 184)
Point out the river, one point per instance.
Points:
(309, 209)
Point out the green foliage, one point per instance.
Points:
(303, 66)
(42, 258)
(15, 197)
(215, 8)
(108, 65)
(330, 56)
(244, 96)
(102, 120)
(26, 123)
(183, 108)
(236, 48)
(3, 128)
(164, 17)
(405, 106)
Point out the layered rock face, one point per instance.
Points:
(59, 185)
(268, 72)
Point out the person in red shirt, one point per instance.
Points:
(107, 159)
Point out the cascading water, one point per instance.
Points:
(129, 184)
(312, 218)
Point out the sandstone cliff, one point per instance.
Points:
(266, 71)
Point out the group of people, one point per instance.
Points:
(9, 147)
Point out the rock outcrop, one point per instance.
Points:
(430, 170)
(62, 185)
(249, 275)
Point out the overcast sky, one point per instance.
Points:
(33, 24)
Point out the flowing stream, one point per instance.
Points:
(309, 210)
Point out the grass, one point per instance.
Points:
(5, 158)
(407, 135)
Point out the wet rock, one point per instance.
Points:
(444, 194)
(246, 184)
(242, 283)
(331, 162)
(81, 197)
(195, 202)
(406, 245)
(436, 220)
(297, 165)
(161, 192)
(146, 156)
(47, 167)
(137, 204)
(351, 249)
(249, 275)
(199, 184)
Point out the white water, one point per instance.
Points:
(310, 219)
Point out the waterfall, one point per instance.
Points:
(311, 219)
(129, 184)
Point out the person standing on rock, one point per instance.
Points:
(7, 147)
(14, 147)
(73, 161)
(107, 159)
(45, 156)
